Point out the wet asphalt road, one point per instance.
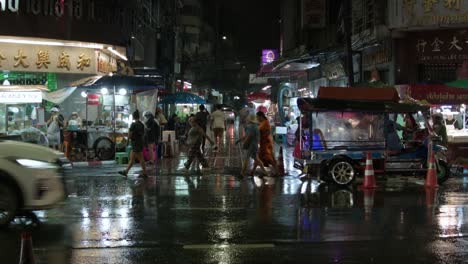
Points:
(215, 217)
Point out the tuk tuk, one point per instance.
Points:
(335, 134)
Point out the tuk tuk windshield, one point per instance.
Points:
(344, 130)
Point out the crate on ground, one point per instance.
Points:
(121, 157)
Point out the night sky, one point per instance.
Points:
(252, 25)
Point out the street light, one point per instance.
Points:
(224, 37)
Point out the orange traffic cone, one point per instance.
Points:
(26, 255)
(431, 175)
(281, 171)
(368, 203)
(431, 202)
(369, 178)
(168, 152)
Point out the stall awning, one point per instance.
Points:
(359, 93)
(258, 96)
(285, 68)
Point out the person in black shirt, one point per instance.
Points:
(152, 135)
(136, 135)
(202, 117)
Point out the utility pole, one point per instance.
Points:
(347, 15)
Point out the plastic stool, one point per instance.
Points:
(121, 157)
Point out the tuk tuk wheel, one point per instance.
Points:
(443, 171)
(341, 171)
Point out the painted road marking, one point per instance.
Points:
(221, 246)
(207, 208)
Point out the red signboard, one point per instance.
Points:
(93, 99)
(439, 94)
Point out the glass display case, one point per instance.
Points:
(3, 128)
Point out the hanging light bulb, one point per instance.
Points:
(122, 91)
(84, 94)
(104, 90)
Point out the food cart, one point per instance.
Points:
(450, 102)
(105, 104)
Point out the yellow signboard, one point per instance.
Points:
(41, 58)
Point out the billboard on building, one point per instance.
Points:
(269, 56)
(313, 13)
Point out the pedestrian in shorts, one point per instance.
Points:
(218, 125)
(136, 135)
(194, 140)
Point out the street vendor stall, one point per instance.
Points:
(21, 114)
(449, 101)
(185, 103)
(104, 104)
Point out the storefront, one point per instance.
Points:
(429, 40)
(21, 112)
(50, 65)
(431, 56)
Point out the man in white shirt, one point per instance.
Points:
(218, 125)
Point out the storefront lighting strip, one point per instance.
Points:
(52, 43)
(117, 53)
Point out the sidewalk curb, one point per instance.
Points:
(92, 163)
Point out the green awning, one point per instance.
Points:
(462, 83)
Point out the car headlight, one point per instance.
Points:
(36, 164)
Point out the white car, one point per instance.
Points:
(31, 178)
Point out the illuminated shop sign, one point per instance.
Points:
(42, 58)
(20, 97)
(269, 56)
(12, 5)
(422, 13)
(78, 9)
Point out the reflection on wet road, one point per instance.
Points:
(215, 217)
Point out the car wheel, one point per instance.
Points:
(443, 171)
(8, 204)
(341, 171)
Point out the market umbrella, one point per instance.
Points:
(258, 96)
(182, 98)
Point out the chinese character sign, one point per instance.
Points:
(441, 46)
(31, 58)
(416, 13)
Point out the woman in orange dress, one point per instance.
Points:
(265, 152)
